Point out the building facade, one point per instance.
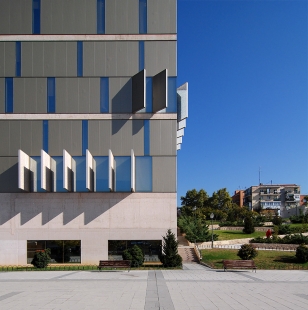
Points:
(91, 120)
(283, 198)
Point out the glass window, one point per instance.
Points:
(36, 16)
(84, 137)
(18, 58)
(79, 58)
(80, 173)
(149, 94)
(62, 251)
(122, 173)
(101, 173)
(143, 16)
(146, 125)
(45, 136)
(59, 174)
(104, 95)
(37, 185)
(9, 95)
(172, 95)
(143, 174)
(100, 16)
(51, 95)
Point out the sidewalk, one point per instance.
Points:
(195, 287)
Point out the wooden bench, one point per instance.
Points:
(114, 264)
(239, 264)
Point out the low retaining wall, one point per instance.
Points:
(241, 228)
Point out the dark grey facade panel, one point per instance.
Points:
(138, 137)
(49, 58)
(71, 59)
(161, 16)
(9, 175)
(122, 17)
(27, 59)
(30, 95)
(24, 135)
(138, 91)
(16, 17)
(99, 137)
(164, 174)
(61, 58)
(160, 55)
(120, 95)
(160, 91)
(7, 59)
(77, 95)
(64, 135)
(68, 17)
(162, 137)
(116, 136)
(38, 59)
(2, 95)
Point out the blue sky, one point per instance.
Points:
(247, 69)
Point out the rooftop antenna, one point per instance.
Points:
(259, 175)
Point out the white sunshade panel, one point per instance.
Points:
(182, 124)
(179, 140)
(23, 162)
(133, 178)
(111, 172)
(182, 102)
(67, 167)
(180, 133)
(45, 163)
(90, 171)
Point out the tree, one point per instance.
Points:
(134, 255)
(221, 200)
(247, 251)
(248, 225)
(41, 258)
(169, 255)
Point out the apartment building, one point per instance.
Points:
(91, 120)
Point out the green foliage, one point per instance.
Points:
(299, 218)
(248, 225)
(302, 253)
(195, 229)
(134, 255)
(169, 255)
(41, 258)
(277, 220)
(247, 251)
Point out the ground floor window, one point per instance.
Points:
(150, 248)
(62, 251)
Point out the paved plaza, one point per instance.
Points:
(195, 287)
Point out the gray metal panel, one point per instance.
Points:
(89, 59)
(2, 58)
(164, 174)
(120, 95)
(41, 95)
(122, 17)
(51, 17)
(160, 89)
(25, 137)
(9, 58)
(38, 58)
(161, 16)
(26, 58)
(138, 91)
(65, 135)
(126, 138)
(94, 95)
(14, 137)
(91, 16)
(19, 95)
(5, 138)
(61, 96)
(160, 55)
(99, 137)
(71, 59)
(138, 137)
(21, 17)
(72, 94)
(60, 58)
(9, 175)
(5, 17)
(2, 95)
(111, 57)
(37, 140)
(49, 58)
(116, 136)
(83, 95)
(93, 138)
(163, 137)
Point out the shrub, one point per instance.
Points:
(302, 253)
(247, 251)
(134, 255)
(277, 220)
(169, 255)
(41, 258)
(248, 225)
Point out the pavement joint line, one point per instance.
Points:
(8, 295)
(305, 296)
(65, 275)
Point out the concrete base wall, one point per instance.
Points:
(93, 218)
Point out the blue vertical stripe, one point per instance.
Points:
(51, 95)
(79, 58)
(100, 16)
(143, 16)
(18, 58)
(172, 95)
(84, 136)
(36, 16)
(9, 95)
(45, 136)
(149, 94)
(146, 127)
(141, 55)
(104, 95)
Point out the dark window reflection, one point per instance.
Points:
(62, 251)
(150, 248)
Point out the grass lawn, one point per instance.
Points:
(233, 234)
(264, 260)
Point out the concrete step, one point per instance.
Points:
(188, 255)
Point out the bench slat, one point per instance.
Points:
(239, 264)
(114, 264)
